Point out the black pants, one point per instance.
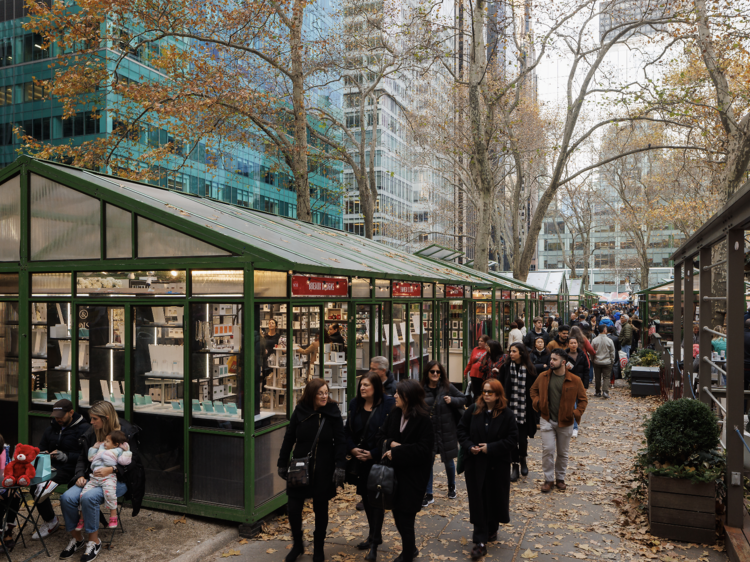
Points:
(405, 525)
(375, 517)
(522, 450)
(45, 508)
(476, 387)
(320, 508)
(486, 526)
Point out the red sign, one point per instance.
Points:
(405, 289)
(506, 295)
(304, 286)
(453, 291)
(533, 295)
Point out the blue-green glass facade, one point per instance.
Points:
(238, 175)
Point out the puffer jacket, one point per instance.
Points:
(626, 334)
(444, 419)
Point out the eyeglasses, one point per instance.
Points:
(435, 371)
(322, 394)
(487, 392)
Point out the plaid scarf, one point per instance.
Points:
(517, 400)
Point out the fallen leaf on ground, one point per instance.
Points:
(230, 553)
(244, 541)
(529, 554)
(182, 520)
(270, 551)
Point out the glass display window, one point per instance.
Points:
(428, 333)
(335, 340)
(101, 355)
(8, 284)
(218, 282)
(481, 323)
(271, 377)
(361, 287)
(364, 327)
(9, 351)
(133, 283)
(51, 284)
(455, 337)
(400, 342)
(216, 383)
(306, 336)
(270, 284)
(417, 342)
(51, 371)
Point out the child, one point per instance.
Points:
(113, 451)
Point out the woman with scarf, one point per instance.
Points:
(517, 376)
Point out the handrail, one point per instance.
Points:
(705, 359)
(710, 331)
(742, 437)
(707, 267)
(712, 397)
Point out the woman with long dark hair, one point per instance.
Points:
(367, 412)
(446, 404)
(492, 361)
(488, 434)
(407, 439)
(315, 414)
(517, 376)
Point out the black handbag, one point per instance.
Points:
(353, 464)
(298, 474)
(381, 484)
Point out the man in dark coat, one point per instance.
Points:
(380, 366)
(536, 331)
(60, 440)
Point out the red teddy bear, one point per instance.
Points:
(20, 470)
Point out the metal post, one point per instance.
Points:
(677, 325)
(688, 315)
(704, 317)
(735, 366)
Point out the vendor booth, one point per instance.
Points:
(555, 288)
(201, 322)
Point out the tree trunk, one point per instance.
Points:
(299, 156)
(484, 225)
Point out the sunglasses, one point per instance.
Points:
(487, 392)
(435, 371)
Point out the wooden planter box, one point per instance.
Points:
(682, 510)
(644, 381)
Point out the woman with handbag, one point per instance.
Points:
(446, 405)
(367, 412)
(316, 433)
(517, 377)
(407, 439)
(488, 434)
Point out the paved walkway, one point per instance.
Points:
(582, 523)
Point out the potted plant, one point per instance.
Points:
(642, 371)
(685, 471)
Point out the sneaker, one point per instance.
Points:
(73, 547)
(47, 528)
(451, 492)
(92, 551)
(360, 506)
(605, 395)
(112, 523)
(575, 433)
(428, 499)
(79, 527)
(597, 395)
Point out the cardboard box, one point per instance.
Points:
(155, 394)
(218, 391)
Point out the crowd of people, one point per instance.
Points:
(396, 430)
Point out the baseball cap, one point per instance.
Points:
(61, 408)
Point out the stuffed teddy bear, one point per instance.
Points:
(20, 470)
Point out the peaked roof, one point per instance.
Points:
(271, 241)
(550, 280)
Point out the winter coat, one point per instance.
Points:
(412, 459)
(472, 367)
(330, 452)
(488, 366)
(488, 474)
(556, 343)
(626, 334)
(368, 437)
(67, 441)
(515, 336)
(389, 386)
(572, 391)
(540, 360)
(444, 418)
(531, 415)
(132, 475)
(605, 350)
(531, 336)
(616, 341)
(580, 367)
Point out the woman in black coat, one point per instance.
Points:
(488, 436)
(578, 363)
(446, 404)
(326, 464)
(367, 412)
(517, 376)
(407, 438)
(539, 356)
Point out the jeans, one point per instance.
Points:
(89, 504)
(575, 422)
(626, 349)
(555, 439)
(450, 470)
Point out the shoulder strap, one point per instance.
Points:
(367, 424)
(315, 441)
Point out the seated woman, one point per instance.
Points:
(104, 420)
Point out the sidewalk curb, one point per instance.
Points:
(208, 547)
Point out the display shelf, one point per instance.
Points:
(112, 347)
(218, 352)
(178, 377)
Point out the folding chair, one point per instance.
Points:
(105, 521)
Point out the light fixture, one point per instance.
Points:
(173, 273)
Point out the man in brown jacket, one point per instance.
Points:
(554, 395)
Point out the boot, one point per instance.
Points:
(514, 472)
(319, 541)
(373, 554)
(297, 549)
(524, 467)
